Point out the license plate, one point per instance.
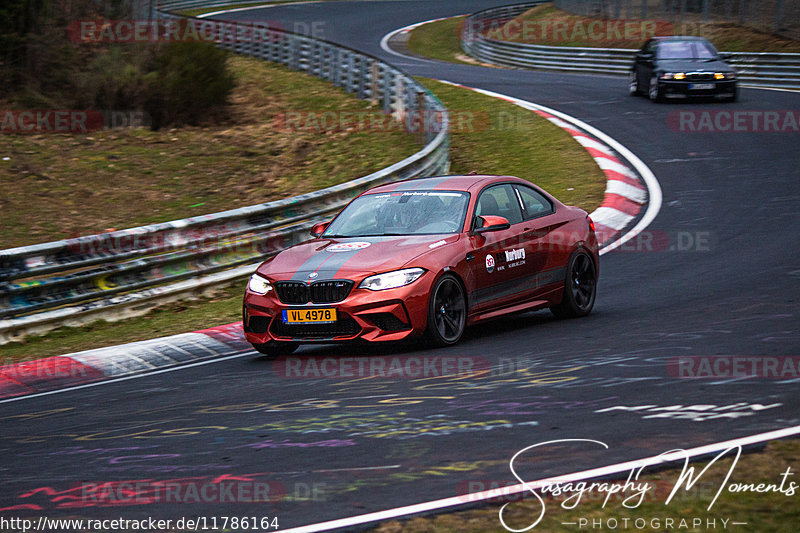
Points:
(306, 316)
(701, 86)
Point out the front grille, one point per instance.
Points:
(325, 292)
(319, 292)
(292, 292)
(700, 76)
(345, 326)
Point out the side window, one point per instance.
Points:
(535, 203)
(500, 200)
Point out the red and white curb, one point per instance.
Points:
(91, 367)
(630, 186)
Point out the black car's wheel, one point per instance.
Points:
(654, 90)
(447, 312)
(275, 349)
(633, 83)
(580, 287)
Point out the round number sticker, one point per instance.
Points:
(489, 263)
(347, 246)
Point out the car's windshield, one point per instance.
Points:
(401, 213)
(686, 50)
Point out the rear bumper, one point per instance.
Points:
(364, 315)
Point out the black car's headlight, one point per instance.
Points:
(724, 75)
(259, 285)
(391, 280)
(673, 76)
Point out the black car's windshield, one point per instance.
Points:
(401, 213)
(686, 50)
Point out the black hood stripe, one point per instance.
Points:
(327, 264)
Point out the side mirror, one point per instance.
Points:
(488, 223)
(318, 229)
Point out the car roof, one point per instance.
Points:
(468, 183)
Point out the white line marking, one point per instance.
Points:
(520, 488)
(125, 378)
(254, 6)
(653, 187)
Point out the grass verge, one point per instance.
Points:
(491, 136)
(442, 39)
(58, 186)
(767, 512)
(542, 23)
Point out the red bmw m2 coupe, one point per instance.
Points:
(425, 257)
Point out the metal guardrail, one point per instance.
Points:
(760, 69)
(47, 284)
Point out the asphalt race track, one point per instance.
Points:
(716, 275)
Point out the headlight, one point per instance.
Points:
(673, 76)
(724, 75)
(391, 280)
(259, 285)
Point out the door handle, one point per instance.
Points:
(470, 257)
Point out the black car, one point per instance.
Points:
(681, 67)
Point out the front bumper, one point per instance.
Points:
(686, 89)
(375, 316)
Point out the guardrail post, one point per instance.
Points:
(374, 82)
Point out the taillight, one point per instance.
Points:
(591, 223)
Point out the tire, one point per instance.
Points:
(447, 312)
(275, 349)
(580, 287)
(654, 90)
(633, 84)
